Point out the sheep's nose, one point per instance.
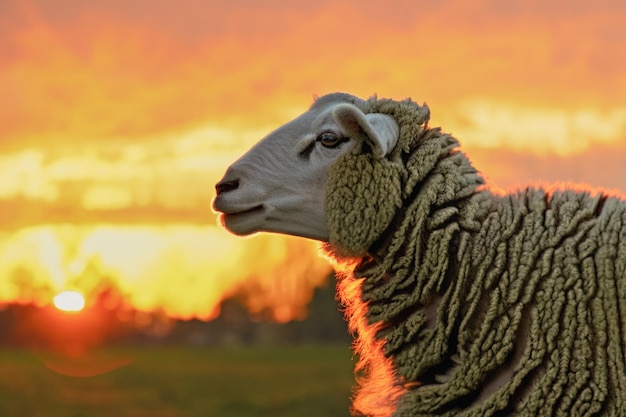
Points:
(226, 185)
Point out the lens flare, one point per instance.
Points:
(70, 301)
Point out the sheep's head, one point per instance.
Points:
(325, 175)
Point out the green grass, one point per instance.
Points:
(185, 382)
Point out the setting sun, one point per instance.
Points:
(70, 301)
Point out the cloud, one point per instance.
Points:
(598, 168)
(105, 69)
(540, 129)
(169, 172)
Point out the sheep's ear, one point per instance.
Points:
(380, 131)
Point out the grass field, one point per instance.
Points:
(184, 382)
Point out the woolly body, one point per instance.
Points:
(465, 302)
(484, 304)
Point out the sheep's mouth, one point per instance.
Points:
(252, 210)
(243, 222)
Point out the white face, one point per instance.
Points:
(279, 185)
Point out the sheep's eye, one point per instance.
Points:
(329, 140)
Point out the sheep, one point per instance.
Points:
(463, 301)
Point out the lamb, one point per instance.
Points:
(463, 301)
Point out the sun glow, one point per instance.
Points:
(181, 270)
(69, 301)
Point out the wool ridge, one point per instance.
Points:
(465, 302)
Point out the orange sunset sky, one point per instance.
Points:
(117, 117)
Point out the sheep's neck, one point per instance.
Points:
(405, 287)
(396, 293)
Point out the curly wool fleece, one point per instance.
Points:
(468, 303)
